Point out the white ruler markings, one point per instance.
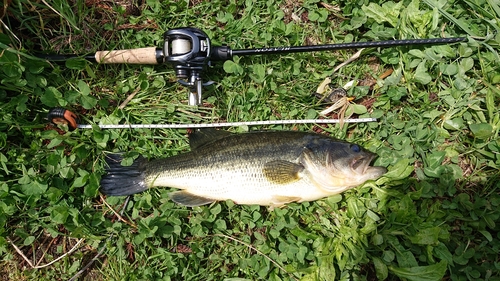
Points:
(228, 124)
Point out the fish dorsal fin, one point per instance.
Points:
(188, 199)
(282, 172)
(201, 137)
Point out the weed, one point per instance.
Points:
(433, 216)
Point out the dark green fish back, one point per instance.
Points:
(234, 149)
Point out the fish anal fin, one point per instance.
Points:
(282, 172)
(204, 136)
(280, 200)
(188, 199)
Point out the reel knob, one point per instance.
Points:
(61, 116)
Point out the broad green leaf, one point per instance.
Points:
(460, 83)
(460, 22)
(59, 214)
(426, 236)
(311, 114)
(388, 256)
(34, 188)
(466, 64)
(388, 12)
(482, 130)
(51, 97)
(80, 181)
(380, 269)
(421, 74)
(378, 239)
(435, 159)
(490, 103)
(313, 15)
(91, 189)
(400, 170)
(13, 70)
(405, 258)
(454, 124)
(54, 142)
(433, 114)
(319, 15)
(462, 257)
(88, 101)
(29, 240)
(434, 172)
(487, 235)
(144, 85)
(76, 63)
(433, 272)
(74, 267)
(490, 220)
(359, 109)
(453, 171)
(334, 198)
(36, 68)
(355, 207)
(302, 234)
(442, 252)
(84, 88)
(232, 67)
(259, 73)
(417, 53)
(450, 69)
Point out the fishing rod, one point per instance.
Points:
(189, 51)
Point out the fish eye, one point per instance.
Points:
(355, 148)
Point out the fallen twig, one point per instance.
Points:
(117, 214)
(47, 264)
(348, 61)
(129, 98)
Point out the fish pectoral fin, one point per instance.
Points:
(279, 200)
(282, 172)
(188, 199)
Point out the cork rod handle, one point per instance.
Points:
(130, 56)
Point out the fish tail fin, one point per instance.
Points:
(123, 180)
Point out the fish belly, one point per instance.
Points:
(242, 188)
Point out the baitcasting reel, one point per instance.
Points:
(188, 50)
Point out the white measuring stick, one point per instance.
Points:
(228, 124)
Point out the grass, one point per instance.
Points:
(433, 216)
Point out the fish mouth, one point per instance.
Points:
(361, 166)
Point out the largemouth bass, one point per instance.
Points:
(269, 168)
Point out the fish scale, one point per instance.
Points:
(256, 149)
